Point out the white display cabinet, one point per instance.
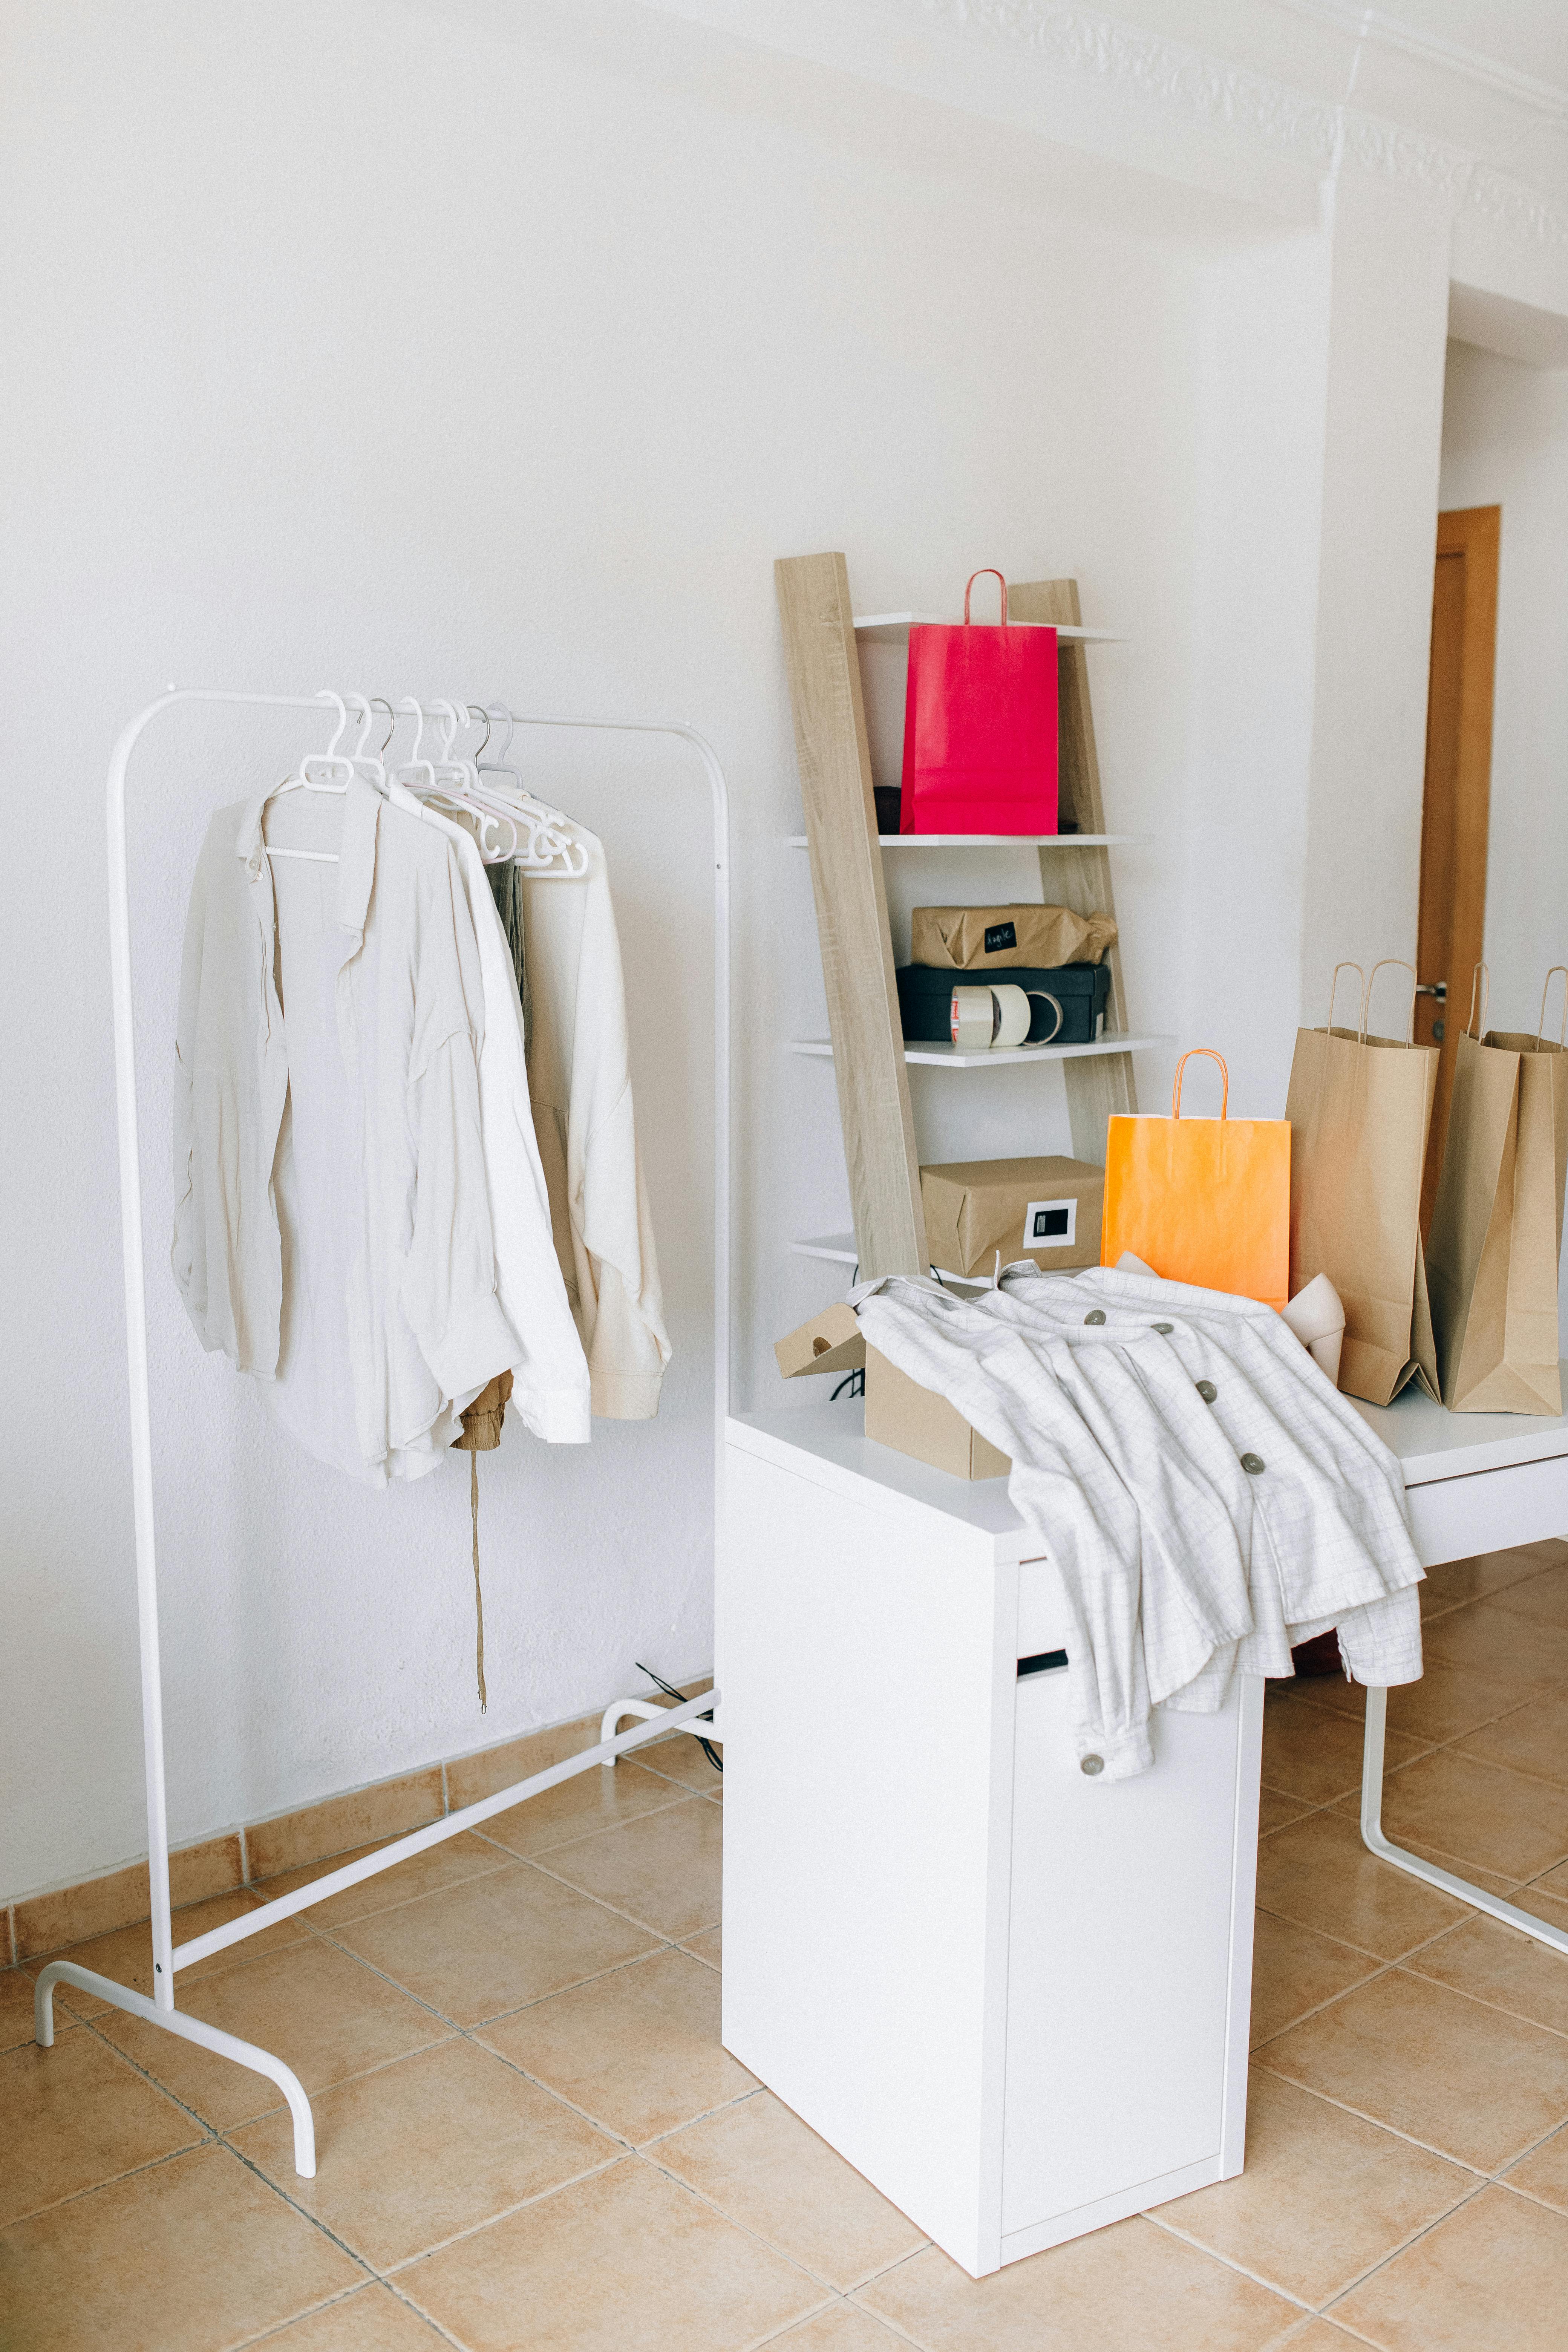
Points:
(1014, 1998)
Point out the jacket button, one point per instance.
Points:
(1252, 1463)
(1207, 1391)
(1091, 1765)
(1095, 1315)
(1165, 1328)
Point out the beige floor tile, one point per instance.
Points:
(1320, 2335)
(628, 2258)
(1482, 1813)
(1543, 2173)
(1458, 1581)
(439, 1865)
(370, 2319)
(476, 1950)
(17, 2007)
(1467, 2081)
(682, 1761)
(1323, 2197)
(313, 2007)
(663, 1871)
(637, 2050)
(708, 1946)
(1274, 1810)
(126, 1955)
(1448, 1700)
(1544, 1597)
(1535, 1899)
(1491, 1880)
(417, 2152)
(1500, 1965)
(491, 1770)
(1131, 2288)
(1554, 1882)
(840, 2328)
(761, 2165)
(593, 1800)
(75, 2115)
(183, 2257)
(342, 1824)
(1295, 1969)
(1489, 2279)
(1499, 1642)
(1319, 1873)
(1313, 1754)
(1533, 1738)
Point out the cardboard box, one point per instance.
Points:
(916, 1420)
(898, 1412)
(830, 1342)
(1048, 1210)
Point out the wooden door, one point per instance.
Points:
(1457, 795)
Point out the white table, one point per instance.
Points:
(1475, 1482)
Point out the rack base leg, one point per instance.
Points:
(1462, 1889)
(189, 2028)
(644, 1710)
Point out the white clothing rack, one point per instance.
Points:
(168, 1957)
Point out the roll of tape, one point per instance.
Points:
(974, 1019)
(1012, 1013)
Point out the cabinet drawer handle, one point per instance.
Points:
(1044, 1662)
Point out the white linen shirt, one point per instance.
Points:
(332, 1226)
(549, 1372)
(1206, 1493)
(579, 1075)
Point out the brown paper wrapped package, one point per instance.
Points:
(952, 939)
(1047, 1209)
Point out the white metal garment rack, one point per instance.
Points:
(651, 1720)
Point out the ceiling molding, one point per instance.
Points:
(1411, 41)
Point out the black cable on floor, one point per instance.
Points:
(670, 1691)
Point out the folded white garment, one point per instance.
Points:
(1206, 1493)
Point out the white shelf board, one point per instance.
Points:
(993, 840)
(949, 1058)
(840, 1248)
(886, 628)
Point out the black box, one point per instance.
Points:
(1083, 990)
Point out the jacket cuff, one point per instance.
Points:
(472, 1351)
(625, 1396)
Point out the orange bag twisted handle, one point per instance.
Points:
(1181, 1066)
(1562, 1033)
(989, 573)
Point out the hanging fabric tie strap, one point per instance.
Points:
(482, 1422)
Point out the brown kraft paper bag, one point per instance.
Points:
(1360, 1107)
(990, 938)
(1496, 1226)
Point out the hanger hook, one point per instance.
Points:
(417, 708)
(450, 724)
(363, 701)
(483, 714)
(328, 694)
(391, 724)
(499, 710)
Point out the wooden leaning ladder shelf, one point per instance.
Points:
(867, 1041)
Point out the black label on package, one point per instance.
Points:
(1000, 936)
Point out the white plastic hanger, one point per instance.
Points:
(549, 854)
(311, 779)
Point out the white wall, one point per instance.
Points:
(516, 389)
(1505, 443)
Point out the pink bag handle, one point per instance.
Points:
(990, 573)
(1181, 1066)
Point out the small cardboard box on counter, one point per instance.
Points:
(1046, 1209)
(898, 1412)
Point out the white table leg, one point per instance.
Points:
(1554, 1938)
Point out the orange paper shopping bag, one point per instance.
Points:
(1206, 1201)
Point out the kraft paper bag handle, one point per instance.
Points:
(1181, 1067)
(989, 573)
(1405, 965)
(1333, 992)
(1562, 1033)
(1481, 981)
